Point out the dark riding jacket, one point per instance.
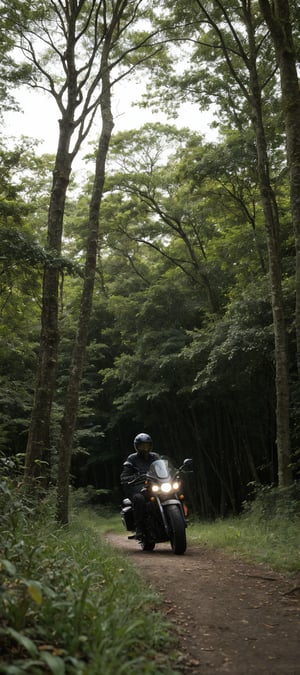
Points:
(135, 465)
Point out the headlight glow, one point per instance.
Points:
(176, 485)
(166, 487)
(155, 488)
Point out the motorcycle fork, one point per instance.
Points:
(161, 509)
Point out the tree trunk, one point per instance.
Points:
(37, 460)
(253, 96)
(277, 17)
(72, 396)
(272, 231)
(68, 95)
(112, 33)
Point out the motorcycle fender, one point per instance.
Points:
(162, 506)
(177, 503)
(171, 501)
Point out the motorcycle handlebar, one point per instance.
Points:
(138, 479)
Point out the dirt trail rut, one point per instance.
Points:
(230, 616)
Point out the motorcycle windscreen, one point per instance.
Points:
(159, 469)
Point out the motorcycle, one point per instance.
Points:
(166, 511)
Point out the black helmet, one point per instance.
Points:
(143, 444)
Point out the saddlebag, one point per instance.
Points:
(127, 515)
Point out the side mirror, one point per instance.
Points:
(187, 465)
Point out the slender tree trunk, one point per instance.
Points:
(253, 96)
(68, 97)
(277, 17)
(38, 444)
(72, 396)
(272, 231)
(112, 32)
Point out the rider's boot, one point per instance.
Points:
(139, 531)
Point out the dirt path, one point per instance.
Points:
(231, 617)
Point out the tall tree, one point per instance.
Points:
(119, 47)
(278, 18)
(235, 40)
(62, 43)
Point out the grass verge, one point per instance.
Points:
(71, 604)
(268, 531)
(274, 543)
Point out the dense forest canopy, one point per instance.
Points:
(161, 293)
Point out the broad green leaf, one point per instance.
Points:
(23, 641)
(9, 567)
(55, 664)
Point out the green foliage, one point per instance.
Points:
(237, 346)
(181, 338)
(272, 502)
(12, 73)
(68, 602)
(182, 333)
(25, 251)
(267, 531)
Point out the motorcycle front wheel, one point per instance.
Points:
(177, 529)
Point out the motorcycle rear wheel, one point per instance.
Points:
(177, 529)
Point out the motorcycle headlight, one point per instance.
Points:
(176, 485)
(155, 488)
(166, 487)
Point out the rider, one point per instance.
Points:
(137, 464)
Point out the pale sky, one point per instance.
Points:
(40, 114)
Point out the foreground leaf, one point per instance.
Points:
(22, 640)
(55, 664)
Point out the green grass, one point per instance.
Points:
(103, 519)
(272, 540)
(268, 531)
(275, 541)
(70, 603)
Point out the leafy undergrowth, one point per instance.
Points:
(70, 603)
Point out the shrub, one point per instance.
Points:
(268, 501)
(70, 603)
